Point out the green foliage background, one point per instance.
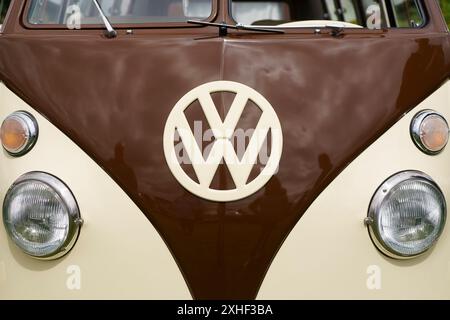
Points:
(445, 5)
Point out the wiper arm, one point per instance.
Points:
(110, 32)
(223, 27)
(336, 31)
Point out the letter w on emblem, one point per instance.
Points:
(223, 147)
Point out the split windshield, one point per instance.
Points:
(275, 13)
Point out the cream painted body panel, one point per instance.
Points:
(329, 254)
(119, 253)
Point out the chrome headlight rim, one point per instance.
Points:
(415, 129)
(373, 218)
(33, 132)
(69, 201)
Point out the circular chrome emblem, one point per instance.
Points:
(222, 148)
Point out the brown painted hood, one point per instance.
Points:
(333, 96)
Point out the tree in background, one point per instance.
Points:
(3, 7)
(445, 5)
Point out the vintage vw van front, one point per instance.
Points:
(224, 149)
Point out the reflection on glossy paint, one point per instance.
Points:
(333, 97)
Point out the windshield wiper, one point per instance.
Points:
(223, 27)
(110, 32)
(336, 31)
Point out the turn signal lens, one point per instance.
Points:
(18, 133)
(430, 131)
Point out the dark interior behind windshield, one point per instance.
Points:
(118, 11)
(363, 13)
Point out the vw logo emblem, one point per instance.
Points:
(222, 148)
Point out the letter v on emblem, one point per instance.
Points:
(240, 169)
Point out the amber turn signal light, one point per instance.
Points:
(18, 133)
(430, 132)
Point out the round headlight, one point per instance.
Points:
(41, 215)
(18, 133)
(407, 215)
(430, 132)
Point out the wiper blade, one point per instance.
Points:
(223, 27)
(110, 32)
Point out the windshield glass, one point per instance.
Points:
(118, 11)
(372, 14)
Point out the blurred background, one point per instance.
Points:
(445, 5)
(4, 4)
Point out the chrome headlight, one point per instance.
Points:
(41, 215)
(407, 215)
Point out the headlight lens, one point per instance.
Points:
(41, 215)
(18, 133)
(430, 131)
(407, 214)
